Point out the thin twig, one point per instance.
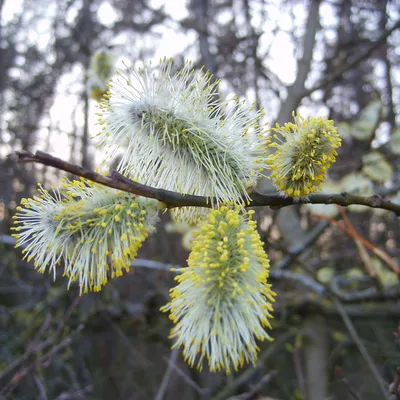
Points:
(320, 288)
(362, 349)
(173, 199)
(77, 394)
(345, 381)
(67, 314)
(44, 359)
(158, 265)
(394, 386)
(371, 294)
(353, 63)
(40, 387)
(232, 386)
(167, 376)
(378, 252)
(308, 240)
(362, 251)
(299, 372)
(40, 346)
(259, 386)
(189, 381)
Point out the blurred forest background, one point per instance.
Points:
(336, 324)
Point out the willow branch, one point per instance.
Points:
(172, 199)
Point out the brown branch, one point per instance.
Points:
(356, 236)
(360, 246)
(173, 199)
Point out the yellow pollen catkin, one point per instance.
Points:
(300, 161)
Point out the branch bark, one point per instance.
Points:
(172, 199)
